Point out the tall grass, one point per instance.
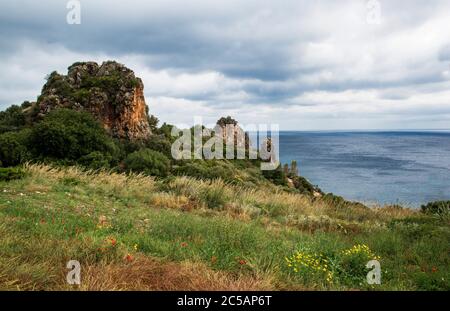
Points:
(220, 236)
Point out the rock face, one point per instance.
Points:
(110, 92)
(237, 136)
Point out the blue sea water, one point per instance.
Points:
(407, 167)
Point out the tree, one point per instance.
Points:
(13, 150)
(12, 119)
(69, 134)
(228, 120)
(152, 121)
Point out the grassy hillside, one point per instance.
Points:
(135, 232)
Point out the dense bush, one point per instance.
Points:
(57, 82)
(160, 143)
(304, 186)
(338, 201)
(10, 173)
(206, 169)
(96, 160)
(68, 134)
(12, 119)
(149, 162)
(166, 131)
(277, 176)
(13, 150)
(437, 208)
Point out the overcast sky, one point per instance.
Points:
(306, 65)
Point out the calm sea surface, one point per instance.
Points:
(411, 168)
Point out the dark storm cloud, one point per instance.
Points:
(235, 52)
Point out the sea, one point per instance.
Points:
(409, 168)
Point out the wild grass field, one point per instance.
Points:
(134, 232)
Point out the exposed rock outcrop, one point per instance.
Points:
(235, 135)
(110, 91)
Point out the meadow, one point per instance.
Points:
(130, 231)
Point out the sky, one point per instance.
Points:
(305, 65)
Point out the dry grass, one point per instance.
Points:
(57, 214)
(118, 183)
(146, 273)
(244, 203)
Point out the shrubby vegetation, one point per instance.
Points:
(11, 173)
(149, 162)
(13, 119)
(337, 237)
(441, 208)
(69, 135)
(13, 148)
(96, 160)
(278, 231)
(129, 227)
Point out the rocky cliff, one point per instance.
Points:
(236, 136)
(110, 91)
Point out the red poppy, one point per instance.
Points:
(434, 269)
(242, 262)
(113, 241)
(184, 244)
(129, 258)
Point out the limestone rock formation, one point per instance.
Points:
(236, 136)
(110, 91)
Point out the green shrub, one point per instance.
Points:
(166, 131)
(161, 144)
(436, 208)
(213, 196)
(13, 150)
(149, 162)
(345, 267)
(81, 96)
(206, 169)
(304, 186)
(277, 176)
(339, 202)
(351, 264)
(68, 134)
(10, 173)
(59, 83)
(95, 160)
(434, 281)
(12, 119)
(108, 83)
